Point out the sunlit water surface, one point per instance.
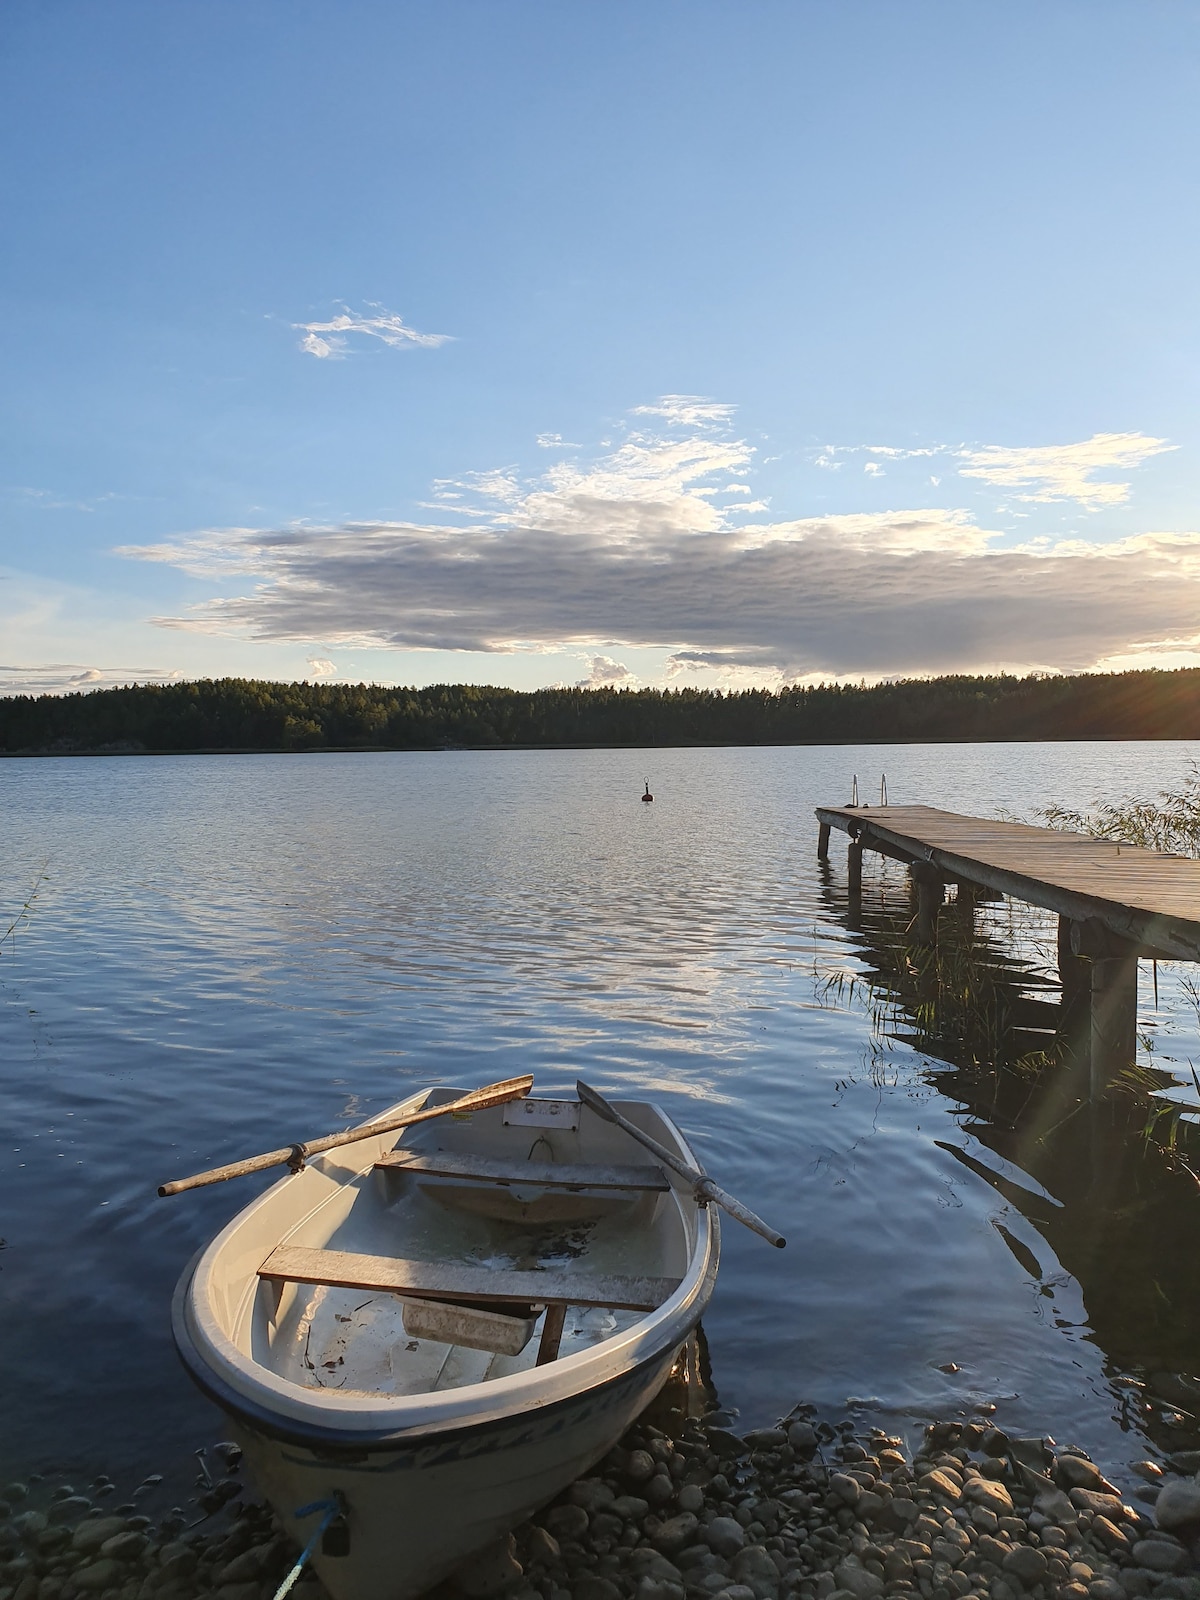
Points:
(230, 953)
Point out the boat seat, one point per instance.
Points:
(455, 1282)
(536, 1174)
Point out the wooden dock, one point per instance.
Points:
(1115, 902)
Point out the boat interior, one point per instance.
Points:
(464, 1250)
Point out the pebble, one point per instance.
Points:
(675, 1533)
(704, 1515)
(802, 1437)
(591, 1494)
(1077, 1472)
(567, 1522)
(631, 1508)
(1105, 1589)
(1159, 1556)
(990, 1495)
(70, 1508)
(725, 1536)
(942, 1484)
(1177, 1507)
(490, 1571)
(91, 1534)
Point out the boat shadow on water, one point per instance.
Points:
(1108, 1183)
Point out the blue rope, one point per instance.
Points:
(332, 1509)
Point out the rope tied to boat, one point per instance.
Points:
(333, 1508)
(295, 1163)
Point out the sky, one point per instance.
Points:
(635, 342)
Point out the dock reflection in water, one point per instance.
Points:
(1109, 1186)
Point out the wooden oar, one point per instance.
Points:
(703, 1188)
(495, 1094)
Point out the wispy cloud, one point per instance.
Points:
(636, 548)
(1064, 471)
(555, 441)
(70, 677)
(329, 341)
(688, 411)
(1040, 473)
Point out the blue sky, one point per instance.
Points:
(538, 343)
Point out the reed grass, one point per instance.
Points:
(26, 910)
(1170, 823)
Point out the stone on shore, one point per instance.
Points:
(1177, 1508)
(725, 1536)
(492, 1571)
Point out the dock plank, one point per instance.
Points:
(1143, 895)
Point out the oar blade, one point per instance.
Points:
(495, 1094)
(594, 1102)
(705, 1188)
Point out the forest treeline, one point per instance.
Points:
(250, 714)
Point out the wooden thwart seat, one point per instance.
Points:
(536, 1174)
(451, 1281)
(439, 1280)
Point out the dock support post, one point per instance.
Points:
(930, 895)
(823, 842)
(1074, 971)
(854, 866)
(965, 900)
(1114, 1019)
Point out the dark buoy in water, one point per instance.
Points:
(647, 798)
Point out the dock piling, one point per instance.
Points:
(1114, 903)
(854, 857)
(931, 893)
(1114, 1019)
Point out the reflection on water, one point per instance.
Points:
(1115, 1203)
(232, 953)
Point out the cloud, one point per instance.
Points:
(328, 341)
(608, 674)
(1047, 473)
(555, 441)
(1064, 471)
(633, 549)
(72, 678)
(319, 668)
(688, 411)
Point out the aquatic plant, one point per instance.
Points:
(24, 913)
(1170, 823)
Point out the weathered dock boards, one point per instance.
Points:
(1150, 899)
(1115, 902)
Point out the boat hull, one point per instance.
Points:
(422, 1508)
(427, 1478)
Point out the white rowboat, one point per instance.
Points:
(438, 1329)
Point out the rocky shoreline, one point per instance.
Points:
(811, 1509)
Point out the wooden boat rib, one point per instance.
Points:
(445, 1326)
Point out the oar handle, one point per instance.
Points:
(493, 1094)
(234, 1169)
(709, 1190)
(703, 1187)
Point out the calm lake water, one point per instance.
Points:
(229, 953)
